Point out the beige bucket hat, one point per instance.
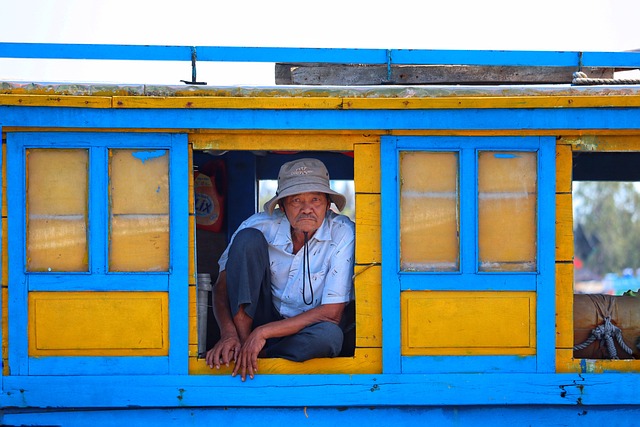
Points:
(304, 176)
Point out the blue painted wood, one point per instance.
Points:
(472, 282)
(174, 281)
(497, 416)
(179, 177)
(468, 364)
(470, 278)
(391, 362)
(322, 55)
(86, 365)
(98, 209)
(322, 390)
(98, 281)
(481, 119)
(546, 304)
(16, 189)
(468, 254)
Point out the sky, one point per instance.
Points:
(555, 25)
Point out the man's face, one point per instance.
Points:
(306, 211)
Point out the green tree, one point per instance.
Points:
(607, 225)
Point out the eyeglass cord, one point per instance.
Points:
(306, 270)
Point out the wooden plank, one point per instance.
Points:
(199, 102)
(564, 305)
(55, 100)
(488, 102)
(5, 251)
(366, 168)
(98, 323)
(468, 323)
(364, 361)
(564, 227)
(368, 290)
(368, 229)
(564, 164)
(5, 329)
(357, 75)
(275, 141)
(565, 362)
(4, 179)
(609, 141)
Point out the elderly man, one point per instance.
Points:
(286, 276)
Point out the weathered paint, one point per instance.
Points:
(446, 387)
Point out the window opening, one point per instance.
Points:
(606, 225)
(245, 194)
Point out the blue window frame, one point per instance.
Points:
(468, 276)
(97, 277)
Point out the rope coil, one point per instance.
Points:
(581, 78)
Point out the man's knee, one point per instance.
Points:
(248, 239)
(322, 339)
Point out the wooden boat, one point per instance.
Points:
(464, 245)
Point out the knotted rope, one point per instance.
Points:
(580, 78)
(607, 331)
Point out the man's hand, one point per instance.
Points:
(225, 350)
(247, 358)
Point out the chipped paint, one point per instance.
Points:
(143, 156)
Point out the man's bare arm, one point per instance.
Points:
(228, 347)
(247, 359)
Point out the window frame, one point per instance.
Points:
(21, 282)
(468, 278)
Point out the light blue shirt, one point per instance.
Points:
(331, 258)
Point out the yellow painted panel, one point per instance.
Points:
(56, 101)
(193, 330)
(5, 253)
(98, 323)
(139, 182)
(139, 243)
(429, 223)
(191, 188)
(192, 249)
(368, 229)
(57, 183)
(4, 180)
(564, 165)
(507, 172)
(368, 290)
(468, 323)
(507, 233)
(277, 141)
(564, 305)
(366, 168)
(564, 227)
(365, 361)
